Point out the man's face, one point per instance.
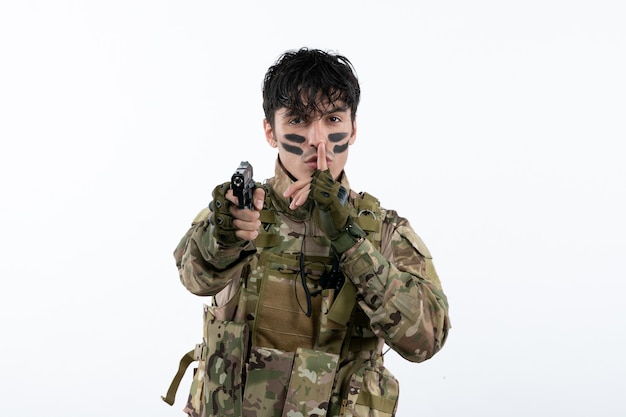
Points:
(297, 140)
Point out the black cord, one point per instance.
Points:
(329, 279)
(306, 287)
(308, 311)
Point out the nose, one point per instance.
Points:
(316, 134)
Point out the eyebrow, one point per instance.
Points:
(336, 109)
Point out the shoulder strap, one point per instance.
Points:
(266, 237)
(369, 217)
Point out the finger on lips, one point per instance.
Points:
(321, 158)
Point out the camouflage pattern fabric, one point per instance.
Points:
(372, 392)
(225, 359)
(399, 298)
(311, 383)
(195, 401)
(269, 372)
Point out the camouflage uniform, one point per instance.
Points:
(329, 363)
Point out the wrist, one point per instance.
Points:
(354, 248)
(349, 237)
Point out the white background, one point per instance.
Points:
(495, 127)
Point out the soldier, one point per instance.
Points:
(312, 281)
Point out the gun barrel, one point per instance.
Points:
(242, 184)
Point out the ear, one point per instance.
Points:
(269, 134)
(353, 136)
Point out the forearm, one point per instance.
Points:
(405, 307)
(204, 266)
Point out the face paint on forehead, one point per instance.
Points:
(337, 137)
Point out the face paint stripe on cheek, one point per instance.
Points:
(336, 137)
(292, 137)
(341, 148)
(291, 149)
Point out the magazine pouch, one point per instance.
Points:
(217, 387)
(227, 345)
(311, 383)
(268, 375)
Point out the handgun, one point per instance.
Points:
(242, 185)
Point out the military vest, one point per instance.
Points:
(273, 342)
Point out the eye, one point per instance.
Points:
(296, 121)
(334, 119)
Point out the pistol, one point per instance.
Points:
(242, 185)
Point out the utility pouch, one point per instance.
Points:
(372, 392)
(268, 374)
(226, 351)
(311, 383)
(331, 333)
(195, 401)
(281, 321)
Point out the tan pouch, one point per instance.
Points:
(281, 321)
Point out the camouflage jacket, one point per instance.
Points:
(398, 296)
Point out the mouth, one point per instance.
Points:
(312, 163)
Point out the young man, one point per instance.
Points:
(311, 283)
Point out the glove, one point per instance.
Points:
(331, 214)
(221, 219)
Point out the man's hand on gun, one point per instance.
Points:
(233, 225)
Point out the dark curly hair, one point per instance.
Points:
(300, 80)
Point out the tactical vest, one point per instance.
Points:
(274, 346)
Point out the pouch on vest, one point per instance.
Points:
(221, 361)
(311, 383)
(195, 401)
(280, 318)
(371, 391)
(268, 374)
(221, 373)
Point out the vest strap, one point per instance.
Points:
(377, 403)
(187, 359)
(341, 310)
(369, 217)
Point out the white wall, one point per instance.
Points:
(503, 121)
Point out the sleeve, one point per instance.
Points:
(400, 291)
(204, 266)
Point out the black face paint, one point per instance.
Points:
(291, 149)
(332, 137)
(292, 137)
(341, 148)
(336, 137)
